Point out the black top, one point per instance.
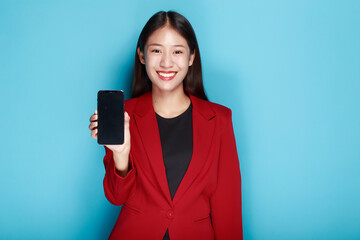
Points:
(176, 135)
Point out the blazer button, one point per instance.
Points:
(170, 214)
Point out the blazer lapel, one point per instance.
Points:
(146, 122)
(203, 130)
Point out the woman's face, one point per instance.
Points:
(167, 59)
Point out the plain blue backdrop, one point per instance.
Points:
(289, 70)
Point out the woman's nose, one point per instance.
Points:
(166, 60)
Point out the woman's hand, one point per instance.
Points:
(120, 152)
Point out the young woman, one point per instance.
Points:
(178, 177)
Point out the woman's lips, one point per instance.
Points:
(166, 76)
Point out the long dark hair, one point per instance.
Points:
(193, 82)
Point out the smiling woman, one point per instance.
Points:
(177, 23)
(178, 177)
(167, 58)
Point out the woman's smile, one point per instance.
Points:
(166, 75)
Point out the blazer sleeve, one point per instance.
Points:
(226, 212)
(118, 189)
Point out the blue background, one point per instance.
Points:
(290, 71)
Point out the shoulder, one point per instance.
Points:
(220, 109)
(223, 113)
(209, 109)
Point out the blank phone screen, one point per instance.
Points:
(110, 117)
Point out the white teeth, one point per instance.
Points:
(166, 74)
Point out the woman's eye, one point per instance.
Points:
(178, 52)
(155, 51)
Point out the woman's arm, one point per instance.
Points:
(118, 187)
(120, 173)
(226, 213)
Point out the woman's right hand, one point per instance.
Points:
(120, 152)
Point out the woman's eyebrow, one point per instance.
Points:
(160, 45)
(155, 44)
(179, 45)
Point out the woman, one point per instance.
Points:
(178, 177)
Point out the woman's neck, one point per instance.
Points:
(170, 104)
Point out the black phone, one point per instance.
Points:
(110, 105)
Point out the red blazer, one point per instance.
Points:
(207, 204)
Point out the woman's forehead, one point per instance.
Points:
(167, 36)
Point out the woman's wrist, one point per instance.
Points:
(121, 161)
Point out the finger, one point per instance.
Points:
(127, 120)
(94, 134)
(93, 118)
(92, 128)
(127, 117)
(127, 128)
(93, 125)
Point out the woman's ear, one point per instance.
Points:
(192, 57)
(141, 55)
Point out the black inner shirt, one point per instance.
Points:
(176, 135)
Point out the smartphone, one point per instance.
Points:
(110, 105)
